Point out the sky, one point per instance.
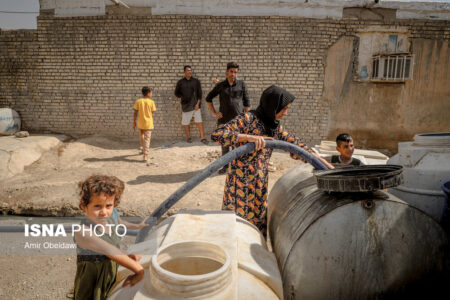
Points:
(13, 16)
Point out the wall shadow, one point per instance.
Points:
(137, 159)
(163, 178)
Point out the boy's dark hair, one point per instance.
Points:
(98, 184)
(187, 66)
(146, 90)
(231, 65)
(343, 138)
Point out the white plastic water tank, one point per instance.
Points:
(9, 121)
(203, 255)
(426, 167)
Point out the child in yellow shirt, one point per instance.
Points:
(145, 108)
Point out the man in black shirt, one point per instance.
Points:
(189, 90)
(233, 99)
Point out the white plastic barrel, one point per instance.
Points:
(426, 167)
(9, 121)
(204, 255)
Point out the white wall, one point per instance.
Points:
(406, 9)
(66, 8)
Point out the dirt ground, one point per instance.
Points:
(49, 188)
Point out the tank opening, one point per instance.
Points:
(191, 265)
(435, 134)
(192, 258)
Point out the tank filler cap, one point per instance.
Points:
(359, 179)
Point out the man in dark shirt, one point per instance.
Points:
(233, 99)
(189, 90)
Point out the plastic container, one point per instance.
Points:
(204, 255)
(9, 121)
(342, 245)
(446, 218)
(446, 188)
(426, 167)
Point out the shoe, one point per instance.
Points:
(189, 140)
(222, 171)
(204, 141)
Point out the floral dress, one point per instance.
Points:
(246, 186)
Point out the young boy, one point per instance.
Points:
(344, 145)
(146, 109)
(98, 254)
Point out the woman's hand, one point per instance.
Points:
(260, 141)
(326, 163)
(133, 279)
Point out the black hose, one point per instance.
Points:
(214, 167)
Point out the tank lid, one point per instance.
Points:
(359, 179)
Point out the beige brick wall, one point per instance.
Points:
(81, 75)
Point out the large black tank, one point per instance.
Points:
(365, 244)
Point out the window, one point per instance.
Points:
(391, 67)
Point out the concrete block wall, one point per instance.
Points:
(81, 75)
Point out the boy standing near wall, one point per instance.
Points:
(146, 108)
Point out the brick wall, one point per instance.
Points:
(18, 51)
(81, 75)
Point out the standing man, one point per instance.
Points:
(189, 90)
(233, 100)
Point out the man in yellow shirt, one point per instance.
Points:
(145, 108)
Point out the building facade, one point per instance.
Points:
(375, 70)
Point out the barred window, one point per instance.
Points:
(391, 67)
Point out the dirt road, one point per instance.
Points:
(49, 188)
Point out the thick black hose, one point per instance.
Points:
(214, 167)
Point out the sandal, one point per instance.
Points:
(204, 141)
(189, 140)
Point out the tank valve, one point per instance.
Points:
(368, 204)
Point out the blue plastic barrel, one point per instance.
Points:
(446, 188)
